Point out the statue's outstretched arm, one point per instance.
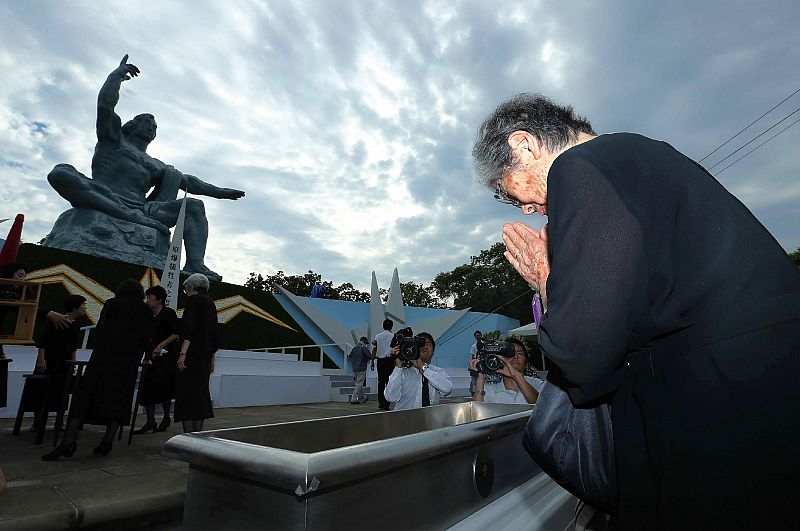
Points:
(109, 125)
(195, 186)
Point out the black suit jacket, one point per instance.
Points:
(648, 248)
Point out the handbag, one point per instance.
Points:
(574, 446)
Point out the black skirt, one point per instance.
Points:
(192, 395)
(159, 383)
(105, 394)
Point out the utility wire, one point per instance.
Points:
(773, 126)
(758, 146)
(748, 127)
(481, 317)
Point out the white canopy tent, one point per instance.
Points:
(529, 330)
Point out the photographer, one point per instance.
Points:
(515, 388)
(415, 383)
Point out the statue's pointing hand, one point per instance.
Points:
(230, 193)
(126, 70)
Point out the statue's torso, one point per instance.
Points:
(125, 169)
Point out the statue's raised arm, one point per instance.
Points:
(109, 125)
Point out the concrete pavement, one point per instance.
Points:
(134, 487)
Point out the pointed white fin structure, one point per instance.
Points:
(333, 328)
(394, 306)
(376, 314)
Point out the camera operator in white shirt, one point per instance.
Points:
(406, 387)
(515, 388)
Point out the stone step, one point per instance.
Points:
(342, 383)
(349, 390)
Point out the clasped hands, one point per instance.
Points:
(527, 252)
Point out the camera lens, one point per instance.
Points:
(493, 362)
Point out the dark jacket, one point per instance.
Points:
(654, 263)
(360, 356)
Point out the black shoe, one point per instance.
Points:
(67, 450)
(164, 424)
(104, 448)
(148, 426)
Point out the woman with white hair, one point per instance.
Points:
(196, 359)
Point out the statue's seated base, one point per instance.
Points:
(90, 231)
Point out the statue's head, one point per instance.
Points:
(142, 126)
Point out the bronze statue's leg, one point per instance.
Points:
(82, 192)
(195, 231)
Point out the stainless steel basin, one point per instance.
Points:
(426, 468)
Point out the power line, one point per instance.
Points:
(481, 317)
(776, 124)
(748, 127)
(758, 146)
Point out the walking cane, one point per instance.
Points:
(145, 374)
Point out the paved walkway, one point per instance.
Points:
(134, 487)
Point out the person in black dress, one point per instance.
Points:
(105, 393)
(56, 347)
(159, 387)
(196, 359)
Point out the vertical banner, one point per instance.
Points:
(171, 278)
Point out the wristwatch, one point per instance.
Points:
(424, 367)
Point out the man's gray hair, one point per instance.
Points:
(554, 125)
(197, 282)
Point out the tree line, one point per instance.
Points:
(487, 283)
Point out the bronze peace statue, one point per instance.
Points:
(113, 216)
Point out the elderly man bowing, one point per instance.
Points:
(645, 265)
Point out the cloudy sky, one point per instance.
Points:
(349, 122)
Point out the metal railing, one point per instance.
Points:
(86, 331)
(300, 350)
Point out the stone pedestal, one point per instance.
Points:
(93, 232)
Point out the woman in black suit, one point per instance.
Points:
(196, 359)
(105, 393)
(159, 385)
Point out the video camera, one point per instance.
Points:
(408, 343)
(488, 356)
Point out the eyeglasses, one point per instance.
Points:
(501, 195)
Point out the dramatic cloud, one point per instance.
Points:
(349, 123)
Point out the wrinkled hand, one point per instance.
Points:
(125, 70)
(230, 193)
(59, 320)
(527, 252)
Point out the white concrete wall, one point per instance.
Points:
(241, 378)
